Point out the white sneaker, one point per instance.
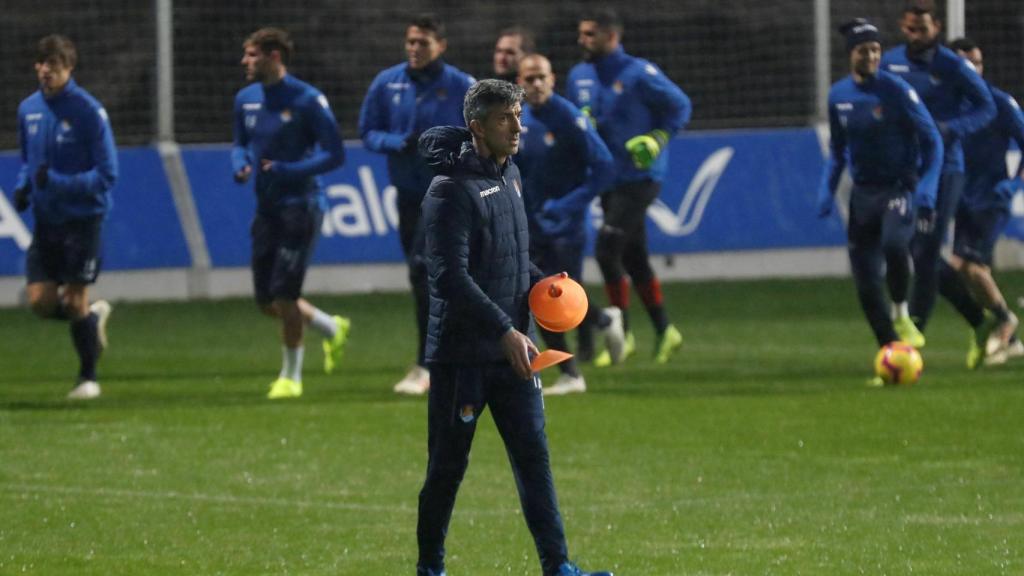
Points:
(615, 335)
(415, 383)
(566, 384)
(999, 339)
(1003, 354)
(86, 390)
(102, 310)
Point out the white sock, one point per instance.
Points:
(899, 310)
(323, 323)
(291, 363)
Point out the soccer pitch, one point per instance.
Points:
(757, 450)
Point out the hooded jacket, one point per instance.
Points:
(477, 250)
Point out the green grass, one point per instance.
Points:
(756, 451)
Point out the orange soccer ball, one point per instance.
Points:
(558, 303)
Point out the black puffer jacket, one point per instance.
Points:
(477, 250)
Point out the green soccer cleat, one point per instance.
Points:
(604, 359)
(630, 347)
(875, 382)
(285, 388)
(334, 348)
(908, 332)
(977, 345)
(668, 342)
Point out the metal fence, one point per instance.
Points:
(744, 63)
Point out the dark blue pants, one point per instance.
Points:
(925, 249)
(411, 236)
(458, 396)
(880, 229)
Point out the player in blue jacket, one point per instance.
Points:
(68, 167)
(636, 110)
(285, 135)
(565, 165)
(879, 125)
(961, 104)
(984, 211)
(402, 102)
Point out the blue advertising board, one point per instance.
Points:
(142, 230)
(741, 190)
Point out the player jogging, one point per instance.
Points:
(401, 103)
(68, 167)
(960, 104)
(565, 165)
(984, 211)
(878, 122)
(285, 135)
(636, 110)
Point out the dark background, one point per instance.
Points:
(744, 63)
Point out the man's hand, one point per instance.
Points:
(925, 220)
(646, 148)
(519, 349)
(266, 165)
(21, 197)
(42, 177)
(242, 176)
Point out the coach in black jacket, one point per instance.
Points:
(478, 351)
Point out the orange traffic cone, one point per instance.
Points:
(558, 303)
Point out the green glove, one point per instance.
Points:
(590, 117)
(645, 148)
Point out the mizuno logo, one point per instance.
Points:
(489, 191)
(845, 106)
(899, 68)
(585, 82)
(252, 106)
(33, 117)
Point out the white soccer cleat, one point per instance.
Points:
(102, 310)
(86, 390)
(415, 383)
(615, 335)
(566, 384)
(1015, 349)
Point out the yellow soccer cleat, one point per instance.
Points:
(285, 388)
(908, 332)
(604, 359)
(978, 342)
(334, 349)
(668, 342)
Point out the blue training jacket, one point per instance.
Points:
(629, 96)
(884, 131)
(564, 164)
(397, 107)
(954, 93)
(985, 156)
(477, 251)
(285, 123)
(71, 134)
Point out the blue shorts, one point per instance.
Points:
(282, 245)
(65, 253)
(977, 231)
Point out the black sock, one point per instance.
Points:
(658, 317)
(1002, 313)
(87, 344)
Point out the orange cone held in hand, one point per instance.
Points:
(558, 303)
